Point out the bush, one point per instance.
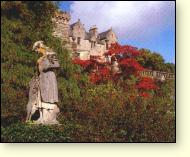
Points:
(22, 132)
(108, 114)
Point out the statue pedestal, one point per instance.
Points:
(48, 114)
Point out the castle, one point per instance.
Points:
(86, 45)
(82, 44)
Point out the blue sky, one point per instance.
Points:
(145, 24)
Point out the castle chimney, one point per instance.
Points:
(93, 33)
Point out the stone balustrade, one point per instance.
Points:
(157, 74)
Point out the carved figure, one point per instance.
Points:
(43, 93)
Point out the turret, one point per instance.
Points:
(61, 25)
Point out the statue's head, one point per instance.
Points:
(39, 47)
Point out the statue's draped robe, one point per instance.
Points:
(47, 77)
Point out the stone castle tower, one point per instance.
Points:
(61, 25)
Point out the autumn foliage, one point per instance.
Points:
(130, 66)
(125, 49)
(82, 63)
(147, 83)
(103, 73)
(126, 58)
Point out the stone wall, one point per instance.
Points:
(158, 74)
(78, 30)
(112, 38)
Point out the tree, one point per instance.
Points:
(154, 61)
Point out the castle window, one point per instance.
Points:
(78, 40)
(106, 45)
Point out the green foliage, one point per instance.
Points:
(155, 61)
(20, 132)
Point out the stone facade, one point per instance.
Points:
(82, 43)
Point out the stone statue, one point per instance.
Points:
(114, 65)
(43, 93)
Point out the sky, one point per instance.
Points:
(143, 24)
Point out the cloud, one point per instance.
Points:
(131, 20)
